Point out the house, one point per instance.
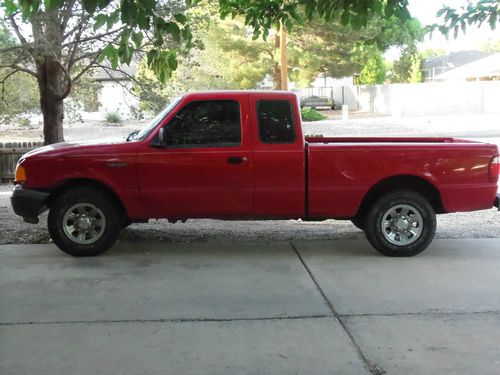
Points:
(116, 94)
(485, 69)
(438, 65)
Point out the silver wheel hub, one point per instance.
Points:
(402, 224)
(84, 223)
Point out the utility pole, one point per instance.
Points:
(284, 66)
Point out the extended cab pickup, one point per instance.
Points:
(242, 155)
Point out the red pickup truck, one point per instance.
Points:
(242, 155)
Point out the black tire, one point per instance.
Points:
(375, 218)
(108, 233)
(358, 223)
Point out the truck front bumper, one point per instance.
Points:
(28, 203)
(497, 202)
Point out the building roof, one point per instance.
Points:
(454, 59)
(485, 68)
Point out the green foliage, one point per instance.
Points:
(18, 97)
(491, 46)
(113, 118)
(162, 22)
(309, 114)
(471, 14)
(136, 17)
(18, 93)
(431, 53)
(225, 55)
(373, 70)
(265, 15)
(415, 69)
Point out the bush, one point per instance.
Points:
(113, 117)
(309, 114)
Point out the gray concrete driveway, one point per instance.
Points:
(317, 307)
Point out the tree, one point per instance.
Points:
(467, 15)
(415, 69)
(225, 56)
(58, 42)
(16, 98)
(373, 69)
(263, 16)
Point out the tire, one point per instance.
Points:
(401, 224)
(358, 223)
(84, 222)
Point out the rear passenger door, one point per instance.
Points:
(279, 158)
(205, 167)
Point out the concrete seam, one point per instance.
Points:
(422, 313)
(174, 320)
(370, 367)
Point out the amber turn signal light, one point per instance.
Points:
(20, 174)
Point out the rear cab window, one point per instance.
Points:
(275, 121)
(206, 123)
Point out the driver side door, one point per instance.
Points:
(204, 167)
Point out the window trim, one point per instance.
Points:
(292, 117)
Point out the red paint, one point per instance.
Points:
(271, 181)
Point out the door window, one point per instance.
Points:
(275, 121)
(206, 123)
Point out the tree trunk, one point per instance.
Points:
(53, 79)
(50, 76)
(276, 66)
(276, 76)
(284, 66)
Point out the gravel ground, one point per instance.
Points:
(480, 224)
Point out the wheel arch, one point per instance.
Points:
(412, 183)
(91, 183)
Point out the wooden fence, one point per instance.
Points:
(10, 153)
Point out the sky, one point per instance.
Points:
(425, 11)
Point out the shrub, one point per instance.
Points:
(113, 117)
(309, 114)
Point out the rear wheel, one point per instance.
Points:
(401, 223)
(84, 222)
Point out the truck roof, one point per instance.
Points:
(242, 92)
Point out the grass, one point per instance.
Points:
(309, 114)
(113, 117)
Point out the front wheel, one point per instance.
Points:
(84, 222)
(401, 224)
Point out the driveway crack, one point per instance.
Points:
(371, 367)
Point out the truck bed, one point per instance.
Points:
(341, 170)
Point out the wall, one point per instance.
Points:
(430, 98)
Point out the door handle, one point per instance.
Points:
(236, 159)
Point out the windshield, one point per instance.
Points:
(149, 127)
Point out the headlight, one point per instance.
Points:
(20, 174)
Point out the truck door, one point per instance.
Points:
(204, 169)
(279, 156)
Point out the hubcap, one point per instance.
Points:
(402, 224)
(84, 223)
